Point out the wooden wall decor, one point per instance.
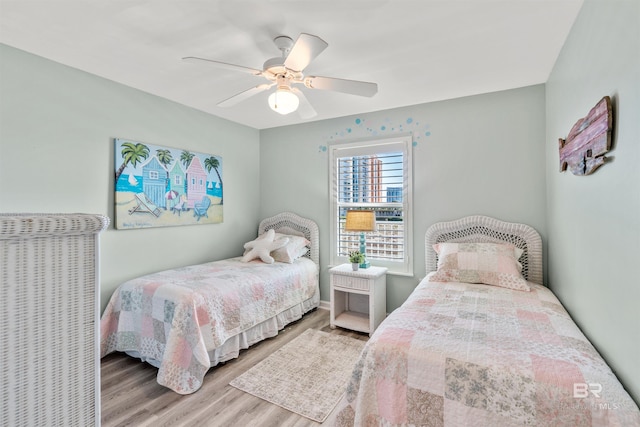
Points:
(589, 139)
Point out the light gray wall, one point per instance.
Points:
(57, 126)
(477, 155)
(594, 221)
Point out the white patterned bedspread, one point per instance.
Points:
(177, 316)
(462, 354)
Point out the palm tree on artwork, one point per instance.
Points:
(186, 158)
(213, 163)
(164, 157)
(132, 153)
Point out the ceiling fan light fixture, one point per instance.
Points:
(282, 72)
(283, 101)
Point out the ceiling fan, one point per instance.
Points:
(286, 71)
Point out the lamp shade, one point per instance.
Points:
(283, 101)
(360, 221)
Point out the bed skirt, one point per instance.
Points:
(267, 329)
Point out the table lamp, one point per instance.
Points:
(362, 221)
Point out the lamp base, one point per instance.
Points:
(365, 264)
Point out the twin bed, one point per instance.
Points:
(186, 320)
(457, 352)
(463, 354)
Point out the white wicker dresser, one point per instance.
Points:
(49, 355)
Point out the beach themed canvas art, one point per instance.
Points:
(158, 186)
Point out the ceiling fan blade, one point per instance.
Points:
(305, 49)
(196, 60)
(353, 87)
(244, 95)
(305, 110)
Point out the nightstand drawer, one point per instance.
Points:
(350, 282)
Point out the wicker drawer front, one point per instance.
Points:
(351, 282)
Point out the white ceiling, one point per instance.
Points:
(417, 51)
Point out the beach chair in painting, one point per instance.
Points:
(180, 206)
(200, 208)
(145, 205)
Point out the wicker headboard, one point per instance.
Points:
(290, 223)
(478, 229)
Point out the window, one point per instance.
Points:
(153, 175)
(177, 180)
(375, 175)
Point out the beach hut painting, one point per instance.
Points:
(154, 180)
(158, 186)
(196, 182)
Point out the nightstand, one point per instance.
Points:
(358, 298)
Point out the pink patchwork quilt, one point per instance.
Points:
(458, 354)
(176, 317)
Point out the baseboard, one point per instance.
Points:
(325, 305)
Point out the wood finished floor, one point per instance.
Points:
(132, 397)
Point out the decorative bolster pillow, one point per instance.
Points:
(294, 249)
(488, 263)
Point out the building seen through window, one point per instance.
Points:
(373, 182)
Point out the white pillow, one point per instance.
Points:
(489, 263)
(295, 248)
(262, 247)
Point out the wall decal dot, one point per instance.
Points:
(360, 128)
(414, 143)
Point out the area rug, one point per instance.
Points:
(307, 376)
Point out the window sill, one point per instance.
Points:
(400, 273)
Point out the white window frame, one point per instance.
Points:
(399, 143)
